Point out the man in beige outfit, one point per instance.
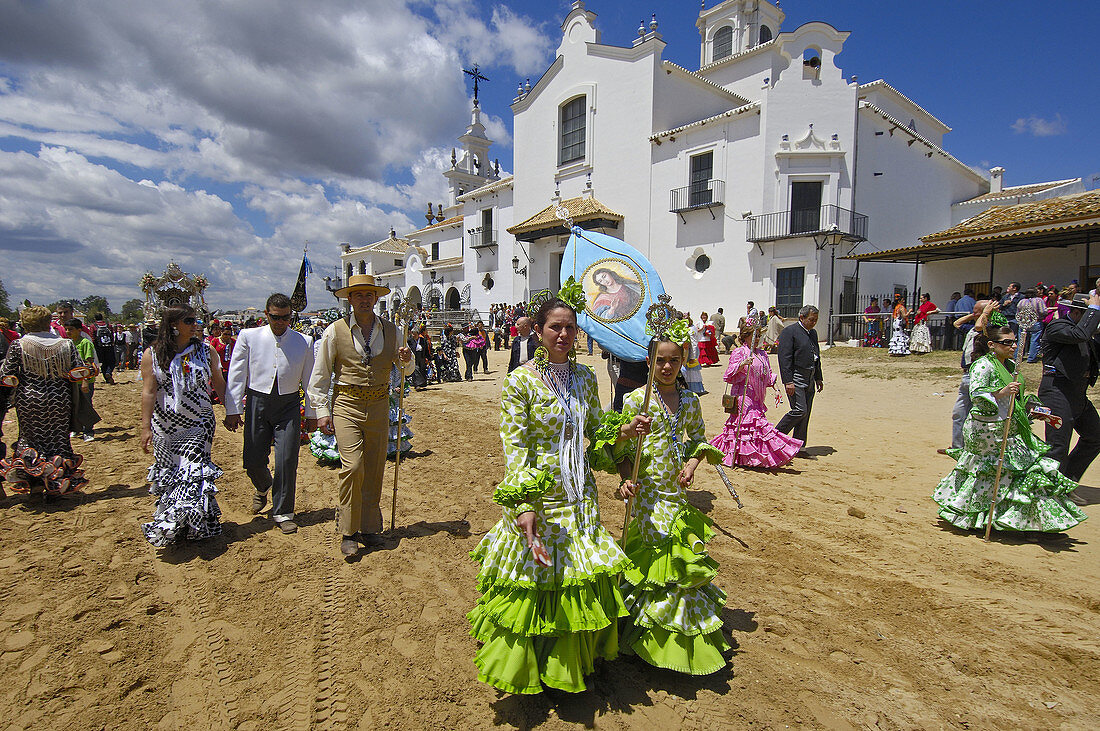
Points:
(355, 356)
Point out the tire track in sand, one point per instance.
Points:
(330, 706)
(215, 644)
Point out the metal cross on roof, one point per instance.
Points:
(477, 77)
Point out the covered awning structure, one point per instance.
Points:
(1061, 222)
(586, 212)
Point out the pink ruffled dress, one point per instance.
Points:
(760, 444)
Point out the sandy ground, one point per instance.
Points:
(850, 604)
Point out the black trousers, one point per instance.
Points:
(269, 419)
(485, 358)
(796, 422)
(471, 357)
(1069, 401)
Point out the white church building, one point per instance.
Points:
(748, 178)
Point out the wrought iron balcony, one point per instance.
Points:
(480, 237)
(807, 222)
(703, 194)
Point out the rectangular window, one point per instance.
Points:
(487, 226)
(789, 282)
(702, 169)
(805, 207)
(435, 255)
(572, 131)
(398, 263)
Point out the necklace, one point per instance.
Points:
(559, 377)
(672, 419)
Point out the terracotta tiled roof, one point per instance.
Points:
(580, 209)
(1018, 191)
(452, 221)
(388, 246)
(1061, 212)
(494, 186)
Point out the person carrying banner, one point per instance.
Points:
(355, 355)
(674, 609)
(550, 599)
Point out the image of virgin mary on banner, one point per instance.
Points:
(619, 285)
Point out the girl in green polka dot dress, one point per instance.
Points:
(550, 600)
(674, 608)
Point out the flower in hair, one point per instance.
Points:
(998, 319)
(572, 294)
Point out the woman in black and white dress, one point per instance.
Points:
(177, 421)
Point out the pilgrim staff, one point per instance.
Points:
(1025, 318)
(401, 317)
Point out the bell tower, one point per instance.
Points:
(735, 26)
(471, 167)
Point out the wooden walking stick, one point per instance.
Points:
(401, 318)
(659, 318)
(1025, 318)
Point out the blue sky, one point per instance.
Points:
(225, 135)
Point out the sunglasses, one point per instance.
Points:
(277, 317)
(1013, 343)
(192, 321)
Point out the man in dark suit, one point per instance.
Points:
(524, 345)
(1071, 362)
(800, 371)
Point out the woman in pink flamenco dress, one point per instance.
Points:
(759, 443)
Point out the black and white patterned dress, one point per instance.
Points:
(182, 478)
(38, 365)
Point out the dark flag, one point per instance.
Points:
(298, 299)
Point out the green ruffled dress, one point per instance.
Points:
(1034, 495)
(673, 605)
(546, 626)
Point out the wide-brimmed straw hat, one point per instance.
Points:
(1079, 302)
(361, 281)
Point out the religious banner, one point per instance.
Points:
(298, 300)
(619, 285)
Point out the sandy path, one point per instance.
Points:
(887, 621)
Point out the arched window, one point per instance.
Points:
(723, 43)
(351, 270)
(362, 267)
(572, 130)
(765, 34)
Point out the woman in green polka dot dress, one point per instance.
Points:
(1034, 495)
(674, 608)
(550, 600)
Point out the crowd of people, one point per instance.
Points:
(556, 590)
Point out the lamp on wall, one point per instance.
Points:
(516, 268)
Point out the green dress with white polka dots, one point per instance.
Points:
(547, 625)
(673, 605)
(1033, 495)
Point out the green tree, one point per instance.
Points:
(4, 309)
(132, 311)
(94, 304)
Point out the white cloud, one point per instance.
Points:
(1039, 127)
(177, 130)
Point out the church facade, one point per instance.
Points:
(748, 178)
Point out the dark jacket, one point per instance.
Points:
(798, 353)
(532, 346)
(1071, 350)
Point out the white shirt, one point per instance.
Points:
(320, 383)
(523, 347)
(258, 356)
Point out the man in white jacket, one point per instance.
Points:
(270, 364)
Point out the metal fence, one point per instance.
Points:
(874, 330)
